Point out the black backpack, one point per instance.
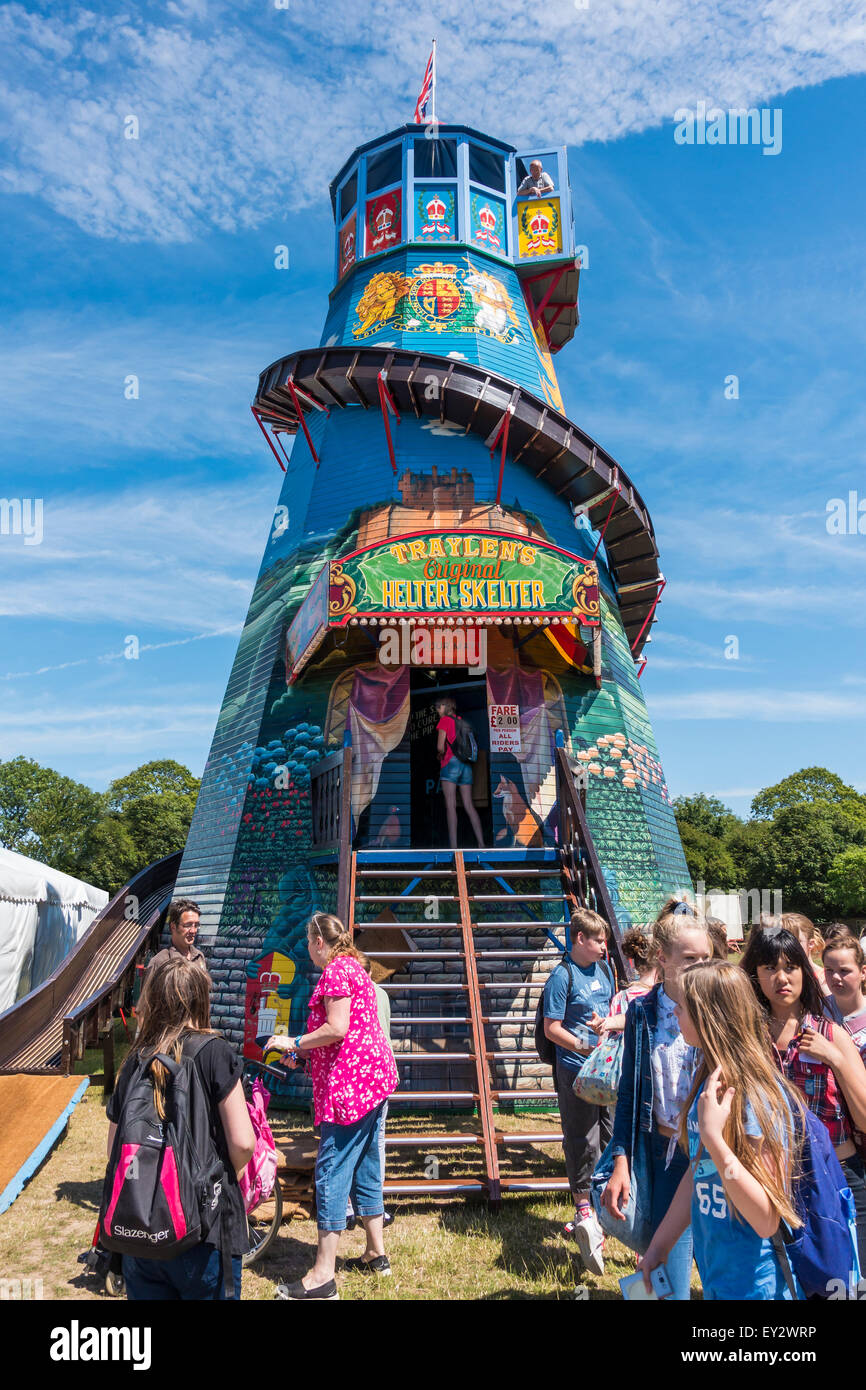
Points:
(544, 1047)
(464, 746)
(166, 1187)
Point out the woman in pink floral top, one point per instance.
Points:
(354, 1073)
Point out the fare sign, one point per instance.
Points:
(504, 728)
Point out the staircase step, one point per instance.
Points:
(550, 872)
(412, 1022)
(524, 1095)
(438, 1185)
(406, 898)
(416, 955)
(434, 1056)
(412, 872)
(429, 988)
(411, 1141)
(514, 898)
(435, 1095)
(505, 1137)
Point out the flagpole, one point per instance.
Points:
(433, 93)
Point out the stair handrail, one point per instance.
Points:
(569, 801)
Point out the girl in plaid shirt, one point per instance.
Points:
(816, 1056)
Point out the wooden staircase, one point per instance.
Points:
(488, 926)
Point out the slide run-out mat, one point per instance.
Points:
(34, 1111)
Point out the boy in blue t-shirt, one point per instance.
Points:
(576, 1003)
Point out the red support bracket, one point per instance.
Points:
(386, 402)
(616, 492)
(655, 603)
(503, 431)
(640, 669)
(258, 419)
(290, 386)
(276, 433)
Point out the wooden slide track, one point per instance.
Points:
(46, 1032)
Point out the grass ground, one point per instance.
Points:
(450, 1249)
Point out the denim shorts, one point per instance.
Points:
(349, 1164)
(456, 771)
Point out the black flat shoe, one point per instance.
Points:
(380, 1264)
(296, 1293)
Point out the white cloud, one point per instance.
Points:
(183, 558)
(196, 375)
(244, 108)
(775, 706)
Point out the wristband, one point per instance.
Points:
(298, 1042)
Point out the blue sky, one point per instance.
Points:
(155, 258)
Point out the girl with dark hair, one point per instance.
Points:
(816, 1056)
(454, 773)
(175, 1005)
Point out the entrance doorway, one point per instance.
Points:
(469, 691)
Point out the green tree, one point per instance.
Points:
(161, 778)
(793, 853)
(147, 816)
(708, 860)
(846, 880)
(809, 785)
(705, 813)
(45, 815)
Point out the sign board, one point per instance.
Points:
(455, 576)
(465, 574)
(504, 728)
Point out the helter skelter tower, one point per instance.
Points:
(436, 486)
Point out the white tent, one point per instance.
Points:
(42, 914)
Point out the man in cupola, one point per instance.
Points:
(537, 183)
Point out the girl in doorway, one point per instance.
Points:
(815, 1055)
(738, 1128)
(453, 773)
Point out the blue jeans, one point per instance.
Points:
(349, 1164)
(195, 1275)
(350, 1210)
(665, 1182)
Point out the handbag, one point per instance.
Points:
(597, 1082)
(635, 1231)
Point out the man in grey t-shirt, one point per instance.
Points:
(537, 183)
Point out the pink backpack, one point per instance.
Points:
(257, 1181)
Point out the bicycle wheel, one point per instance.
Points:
(263, 1224)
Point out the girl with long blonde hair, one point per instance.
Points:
(739, 1127)
(657, 1069)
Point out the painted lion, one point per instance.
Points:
(379, 301)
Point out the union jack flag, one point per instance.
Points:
(426, 93)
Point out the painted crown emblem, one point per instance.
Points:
(540, 224)
(384, 219)
(487, 218)
(436, 208)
